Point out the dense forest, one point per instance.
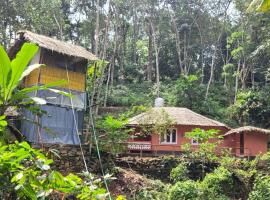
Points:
(207, 55)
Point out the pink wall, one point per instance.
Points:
(254, 143)
(181, 129)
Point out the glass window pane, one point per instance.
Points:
(168, 137)
(173, 136)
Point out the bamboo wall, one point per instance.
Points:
(47, 74)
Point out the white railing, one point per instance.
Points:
(139, 145)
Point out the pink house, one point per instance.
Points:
(179, 121)
(242, 142)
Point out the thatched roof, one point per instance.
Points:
(248, 129)
(177, 115)
(56, 45)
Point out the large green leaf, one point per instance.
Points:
(30, 69)
(19, 64)
(5, 69)
(259, 5)
(23, 94)
(265, 6)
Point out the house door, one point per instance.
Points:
(242, 150)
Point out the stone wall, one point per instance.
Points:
(160, 167)
(68, 158)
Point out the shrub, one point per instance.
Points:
(215, 184)
(184, 190)
(25, 173)
(261, 188)
(156, 191)
(179, 173)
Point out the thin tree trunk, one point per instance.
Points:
(114, 55)
(104, 52)
(110, 75)
(121, 59)
(177, 43)
(59, 26)
(236, 80)
(134, 36)
(211, 72)
(107, 86)
(150, 55)
(97, 29)
(157, 59)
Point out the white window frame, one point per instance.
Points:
(194, 142)
(165, 137)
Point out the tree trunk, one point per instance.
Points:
(156, 56)
(150, 55)
(104, 52)
(211, 72)
(97, 29)
(135, 32)
(177, 43)
(236, 81)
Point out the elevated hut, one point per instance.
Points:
(63, 122)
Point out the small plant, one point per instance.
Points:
(215, 184)
(157, 191)
(179, 173)
(184, 190)
(114, 133)
(205, 151)
(261, 188)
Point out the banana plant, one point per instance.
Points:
(259, 6)
(12, 73)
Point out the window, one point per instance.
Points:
(169, 137)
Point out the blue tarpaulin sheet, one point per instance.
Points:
(57, 126)
(78, 100)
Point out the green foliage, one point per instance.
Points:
(131, 94)
(252, 107)
(26, 173)
(207, 140)
(133, 111)
(261, 188)
(114, 133)
(97, 68)
(157, 191)
(185, 190)
(12, 71)
(186, 92)
(179, 173)
(3, 123)
(259, 6)
(216, 184)
(202, 135)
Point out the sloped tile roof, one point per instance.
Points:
(177, 115)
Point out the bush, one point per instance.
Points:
(261, 188)
(25, 173)
(215, 184)
(157, 191)
(179, 173)
(184, 190)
